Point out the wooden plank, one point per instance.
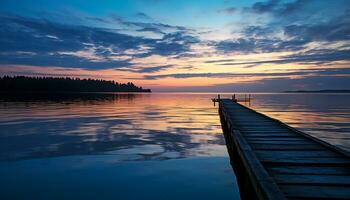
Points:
(273, 137)
(308, 170)
(256, 121)
(316, 192)
(261, 183)
(287, 147)
(283, 142)
(236, 116)
(262, 124)
(257, 128)
(296, 154)
(249, 121)
(314, 139)
(284, 135)
(307, 161)
(268, 131)
(312, 179)
(252, 139)
(280, 129)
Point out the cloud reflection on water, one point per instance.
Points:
(151, 126)
(130, 126)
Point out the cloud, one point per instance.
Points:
(277, 7)
(336, 29)
(284, 84)
(26, 34)
(144, 16)
(313, 57)
(146, 25)
(310, 32)
(229, 10)
(319, 56)
(262, 7)
(259, 45)
(300, 72)
(177, 43)
(148, 69)
(63, 61)
(151, 29)
(49, 44)
(239, 45)
(154, 69)
(292, 32)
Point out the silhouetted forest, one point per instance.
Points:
(51, 84)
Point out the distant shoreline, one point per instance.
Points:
(70, 92)
(51, 85)
(317, 91)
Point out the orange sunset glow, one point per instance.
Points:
(222, 46)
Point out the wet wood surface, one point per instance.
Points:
(281, 162)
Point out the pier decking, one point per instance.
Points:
(275, 161)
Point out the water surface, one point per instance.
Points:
(115, 146)
(139, 146)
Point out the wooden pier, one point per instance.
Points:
(275, 161)
(247, 98)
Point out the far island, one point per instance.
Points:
(64, 84)
(318, 91)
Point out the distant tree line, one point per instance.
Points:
(64, 84)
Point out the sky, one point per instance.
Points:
(181, 45)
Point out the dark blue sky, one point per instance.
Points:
(168, 45)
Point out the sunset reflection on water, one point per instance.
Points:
(174, 124)
(109, 143)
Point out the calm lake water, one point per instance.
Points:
(139, 146)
